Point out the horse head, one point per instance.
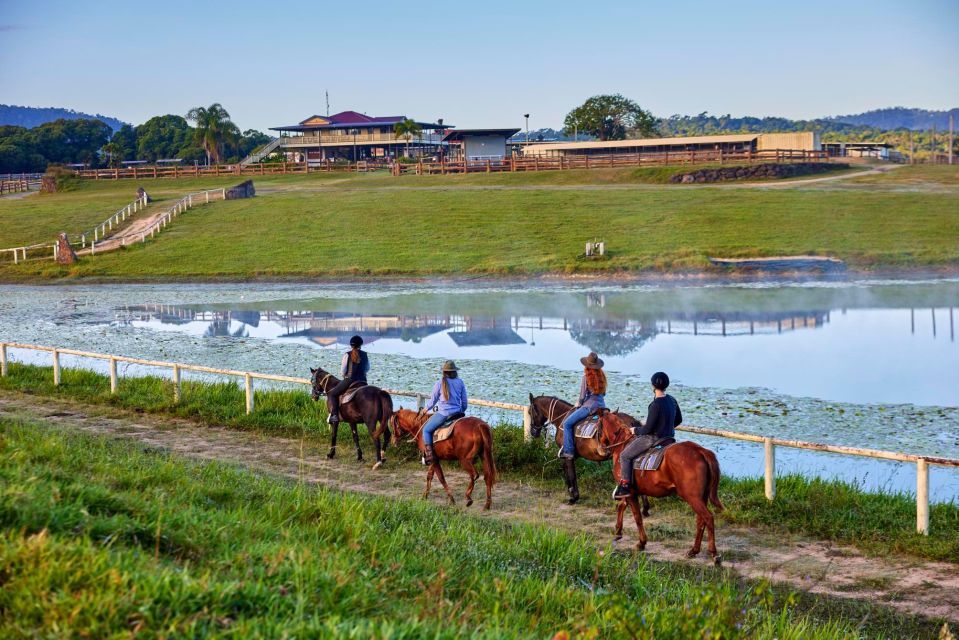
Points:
(404, 422)
(537, 420)
(613, 430)
(318, 380)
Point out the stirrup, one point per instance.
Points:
(333, 419)
(622, 491)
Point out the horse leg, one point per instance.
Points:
(356, 441)
(467, 465)
(704, 519)
(442, 479)
(638, 516)
(429, 481)
(378, 448)
(645, 506)
(620, 511)
(334, 428)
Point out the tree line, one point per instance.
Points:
(212, 138)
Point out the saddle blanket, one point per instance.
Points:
(445, 432)
(651, 460)
(349, 393)
(588, 428)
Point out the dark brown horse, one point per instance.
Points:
(545, 410)
(471, 438)
(370, 406)
(687, 470)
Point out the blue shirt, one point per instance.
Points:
(588, 399)
(457, 402)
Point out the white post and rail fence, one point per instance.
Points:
(769, 444)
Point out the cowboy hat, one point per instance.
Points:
(449, 365)
(592, 361)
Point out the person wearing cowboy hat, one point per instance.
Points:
(592, 396)
(449, 398)
(662, 418)
(354, 367)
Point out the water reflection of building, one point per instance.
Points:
(741, 323)
(469, 331)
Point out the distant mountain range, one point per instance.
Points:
(901, 118)
(31, 117)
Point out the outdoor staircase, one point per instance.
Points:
(261, 153)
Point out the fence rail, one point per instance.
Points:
(769, 444)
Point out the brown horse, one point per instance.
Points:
(370, 406)
(471, 438)
(687, 470)
(545, 410)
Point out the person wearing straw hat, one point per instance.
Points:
(449, 398)
(592, 396)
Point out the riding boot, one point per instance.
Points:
(427, 455)
(572, 485)
(623, 490)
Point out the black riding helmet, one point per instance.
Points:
(660, 380)
(356, 341)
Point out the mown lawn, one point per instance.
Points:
(877, 523)
(330, 225)
(101, 538)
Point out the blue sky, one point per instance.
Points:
(477, 64)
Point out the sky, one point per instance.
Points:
(479, 64)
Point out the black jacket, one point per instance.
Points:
(662, 418)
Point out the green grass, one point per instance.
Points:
(101, 538)
(913, 175)
(331, 225)
(877, 523)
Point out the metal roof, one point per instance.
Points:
(459, 134)
(645, 142)
(352, 119)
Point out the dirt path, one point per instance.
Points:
(130, 233)
(926, 588)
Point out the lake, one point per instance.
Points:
(871, 363)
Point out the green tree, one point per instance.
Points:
(113, 152)
(166, 136)
(71, 141)
(407, 128)
(249, 141)
(126, 138)
(611, 117)
(214, 130)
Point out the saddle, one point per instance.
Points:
(653, 457)
(588, 427)
(445, 432)
(351, 391)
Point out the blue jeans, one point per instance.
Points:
(569, 435)
(432, 425)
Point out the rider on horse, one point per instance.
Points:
(449, 398)
(592, 396)
(355, 366)
(662, 418)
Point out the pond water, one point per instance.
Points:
(872, 363)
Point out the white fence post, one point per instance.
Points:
(770, 468)
(249, 394)
(207, 194)
(176, 384)
(56, 368)
(420, 401)
(3, 359)
(527, 425)
(922, 496)
(113, 376)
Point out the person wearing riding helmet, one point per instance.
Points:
(449, 398)
(592, 396)
(662, 418)
(355, 366)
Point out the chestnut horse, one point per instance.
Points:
(687, 470)
(471, 438)
(370, 405)
(545, 410)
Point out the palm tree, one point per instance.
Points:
(214, 130)
(407, 128)
(114, 153)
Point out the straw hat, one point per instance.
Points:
(592, 361)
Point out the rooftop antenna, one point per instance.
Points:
(327, 104)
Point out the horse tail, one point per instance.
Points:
(384, 411)
(489, 467)
(713, 465)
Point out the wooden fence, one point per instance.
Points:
(218, 170)
(769, 444)
(13, 186)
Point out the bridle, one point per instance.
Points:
(548, 416)
(322, 383)
(629, 436)
(395, 422)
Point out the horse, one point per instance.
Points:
(687, 470)
(545, 410)
(369, 405)
(471, 438)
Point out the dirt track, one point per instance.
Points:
(819, 567)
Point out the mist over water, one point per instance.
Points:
(863, 363)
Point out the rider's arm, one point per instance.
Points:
(679, 416)
(343, 365)
(367, 368)
(434, 398)
(465, 402)
(582, 392)
(652, 418)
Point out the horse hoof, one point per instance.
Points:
(617, 537)
(378, 465)
(487, 506)
(331, 454)
(640, 546)
(692, 553)
(718, 560)
(359, 456)
(645, 514)
(469, 503)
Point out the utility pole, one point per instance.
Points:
(932, 145)
(912, 150)
(951, 139)
(526, 115)
(327, 104)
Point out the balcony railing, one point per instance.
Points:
(360, 138)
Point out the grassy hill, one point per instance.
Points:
(333, 225)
